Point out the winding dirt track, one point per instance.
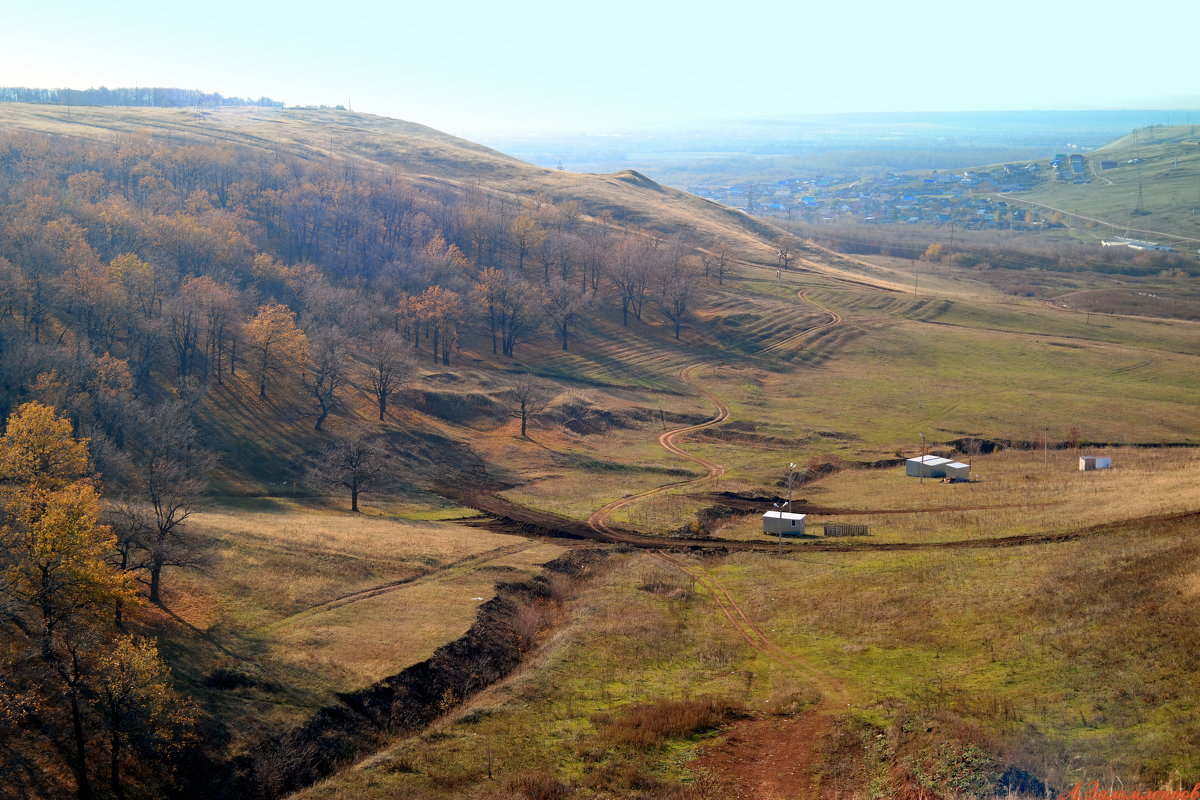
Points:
(597, 521)
(834, 320)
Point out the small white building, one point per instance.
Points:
(1087, 463)
(957, 470)
(784, 522)
(923, 466)
(936, 467)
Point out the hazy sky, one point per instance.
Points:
(484, 68)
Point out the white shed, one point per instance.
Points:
(784, 522)
(925, 467)
(957, 470)
(1094, 462)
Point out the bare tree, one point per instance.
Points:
(388, 362)
(516, 313)
(716, 263)
(677, 294)
(527, 401)
(564, 307)
(328, 372)
(169, 481)
(353, 463)
(786, 255)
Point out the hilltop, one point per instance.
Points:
(429, 157)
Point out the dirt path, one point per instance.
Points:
(834, 320)
(772, 757)
(598, 519)
(1103, 222)
(453, 569)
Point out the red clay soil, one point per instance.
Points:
(770, 758)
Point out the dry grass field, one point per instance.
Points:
(298, 602)
(1012, 492)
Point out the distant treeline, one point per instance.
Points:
(143, 96)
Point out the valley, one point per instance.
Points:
(564, 588)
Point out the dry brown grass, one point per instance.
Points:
(649, 725)
(1014, 492)
(305, 602)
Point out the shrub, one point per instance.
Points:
(648, 725)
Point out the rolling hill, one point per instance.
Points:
(1157, 197)
(962, 648)
(395, 147)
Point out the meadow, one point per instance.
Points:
(297, 602)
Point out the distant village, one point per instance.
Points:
(965, 198)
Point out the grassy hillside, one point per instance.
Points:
(881, 672)
(1168, 178)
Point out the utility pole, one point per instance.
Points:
(1046, 445)
(922, 473)
(791, 476)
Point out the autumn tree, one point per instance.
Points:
(142, 715)
(526, 236)
(564, 306)
(183, 323)
(55, 579)
(275, 343)
(217, 306)
(489, 291)
(440, 311)
(518, 314)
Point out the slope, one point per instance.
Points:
(427, 156)
(1156, 197)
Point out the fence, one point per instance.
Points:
(843, 529)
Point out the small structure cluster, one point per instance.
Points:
(936, 467)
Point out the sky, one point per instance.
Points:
(475, 69)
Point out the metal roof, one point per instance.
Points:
(784, 515)
(933, 461)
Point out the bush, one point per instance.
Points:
(648, 725)
(536, 786)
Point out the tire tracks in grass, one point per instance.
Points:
(451, 570)
(834, 320)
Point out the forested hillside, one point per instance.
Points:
(140, 273)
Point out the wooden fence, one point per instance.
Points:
(843, 529)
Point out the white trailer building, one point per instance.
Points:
(784, 522)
